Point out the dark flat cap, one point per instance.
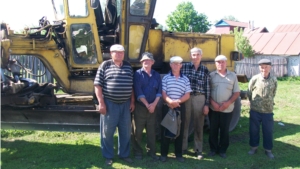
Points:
(265, 62)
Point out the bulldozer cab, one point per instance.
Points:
(93, 26)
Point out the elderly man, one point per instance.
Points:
(175, 91)
(261, 92)
(198, 104)
(224, 91)
(113, 89)
(147, 89)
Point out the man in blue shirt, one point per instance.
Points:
(147, 87)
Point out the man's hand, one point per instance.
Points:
(102, 108)
(175, 103)
(205, 110)
(224, 105)
(132, 106)
(215, 105)
(151, 107)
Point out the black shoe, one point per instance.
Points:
(153, 156)
(223, 155)
(180, 159)
(108, 161)
(163, 159)
(127, 159)
(212, 153)
(138, 157)
(269, 154)
(252, 151)
(199, 155)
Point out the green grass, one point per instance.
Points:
(43, 150)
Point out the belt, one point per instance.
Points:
(196, 93)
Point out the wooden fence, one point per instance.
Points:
(249, 66)
(37, 69)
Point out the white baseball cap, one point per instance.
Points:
(176, 59)
(220, 57)
(117, 47)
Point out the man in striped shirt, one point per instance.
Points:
(113, 89)
(175, 91)
(198, 104)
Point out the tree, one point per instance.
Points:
(242, 44)
(230, 18)
(185, 18)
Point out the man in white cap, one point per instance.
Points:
(113, 89)
(147, 89)
(198, 104)
(261, 92)
(175, 91)
(224, 91)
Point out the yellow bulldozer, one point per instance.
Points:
(75, 45)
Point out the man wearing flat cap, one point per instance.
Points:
(261, 92)
(224, 91)
(147, 89)
(175, 91)
(198, 104)
(113, 88)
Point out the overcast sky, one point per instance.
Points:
(269, 14)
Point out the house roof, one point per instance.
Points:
(256, 30)
(287, 43)
(287, 28)
(220, 30)
(224, 22)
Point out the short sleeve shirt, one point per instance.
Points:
(174, 87)
(222, 88)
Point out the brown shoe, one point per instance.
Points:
(252, 151)
(269, 154)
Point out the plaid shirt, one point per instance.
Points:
(199, 79)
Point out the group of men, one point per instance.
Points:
(189, 92)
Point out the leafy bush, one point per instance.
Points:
(242, 44)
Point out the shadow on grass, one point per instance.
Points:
(31, 155)
(24, 154)
(286, 146)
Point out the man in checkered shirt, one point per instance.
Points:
(198, 104)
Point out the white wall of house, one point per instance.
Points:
(294, 65)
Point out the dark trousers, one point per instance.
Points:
(165, 142)
(144, 119)
(267, 122)
(219, 123)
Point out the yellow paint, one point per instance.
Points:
(135, 40)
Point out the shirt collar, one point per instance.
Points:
(192, 65)
(227, 72)
(143, 70)
(265, 77)
(181, 75)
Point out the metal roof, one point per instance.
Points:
(287, 28)
(256, 30)
(224, 22)
(275, 43)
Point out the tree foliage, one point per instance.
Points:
(230, 18)
(242, 44)
(185, 18)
